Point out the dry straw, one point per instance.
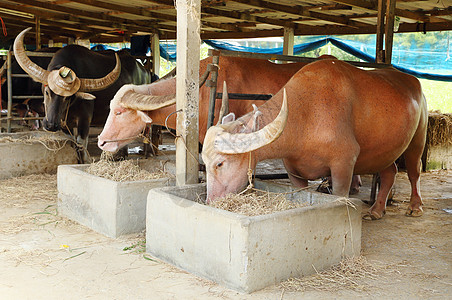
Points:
(351, 273)
(439, 130)
(50, 143)
(124, 170)
(254, 203)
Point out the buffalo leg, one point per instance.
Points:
(82, 140)
(413, 168)
(297, 180)
(387, 177)
(342, 179)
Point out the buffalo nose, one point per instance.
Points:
(101, 143)
(51, 126)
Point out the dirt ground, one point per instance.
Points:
(46, 256)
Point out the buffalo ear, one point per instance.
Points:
(144, 117)
(85, 96)
(228, 118)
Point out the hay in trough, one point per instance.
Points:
(51, 143)
(350, 273)
(439, 130)
(124, 170)
(254, 203)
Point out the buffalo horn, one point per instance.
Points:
(235, 143)
(36, 72)
(224, 110)
(92, 85)
(137, 101)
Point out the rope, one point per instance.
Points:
(179, 136)
(3, 27)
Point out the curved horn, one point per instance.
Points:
(235, 143)
(224, 110)
(36, 72)
(92, 85)
(134, 100)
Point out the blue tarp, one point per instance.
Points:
(305, 47)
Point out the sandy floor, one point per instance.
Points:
(46, 256)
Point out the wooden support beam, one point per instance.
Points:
(379, 54)
(155, 53)
(38, 32)
(187, 91)
(389, 29)
(288, 41)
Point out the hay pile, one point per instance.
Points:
(17, 191)
(50, 143)
(254, 203)
(124, 170)
(439, 130)
(350, 273)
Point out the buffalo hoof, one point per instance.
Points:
(373, 215)
(417, 212)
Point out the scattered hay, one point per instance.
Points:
(254, 203)
(17, 191)
(439, 129)
(350, 273)
(125, 170)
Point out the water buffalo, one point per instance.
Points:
(72, 73)
(127, 118)
(341, 120)
(25, 86)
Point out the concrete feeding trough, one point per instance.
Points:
(106, 206)
(33, 153)
(249, 253)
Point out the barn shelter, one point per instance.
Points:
(189, 22)
(190, 29)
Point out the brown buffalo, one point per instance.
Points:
(341, 120)
(126, 119)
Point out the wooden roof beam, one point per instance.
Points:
(246, 16)
(399, 12)
(128, 9)
(78, 12)
(302, 11)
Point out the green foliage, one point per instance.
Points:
(438, 95)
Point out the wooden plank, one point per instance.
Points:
(155, 53)
(213, 90)
(389, 29)
(212, 52)
(10, 90)
(288, 41)
(187, 91)
(237, 96)
(38, 33)
(379, 54)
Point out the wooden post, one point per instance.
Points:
(389, 29)
(379, 55)
(187, 91)
(288, 41)
(212, 83)
(10, 91)
(155, 53)
(38, 32)
(385, 30)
